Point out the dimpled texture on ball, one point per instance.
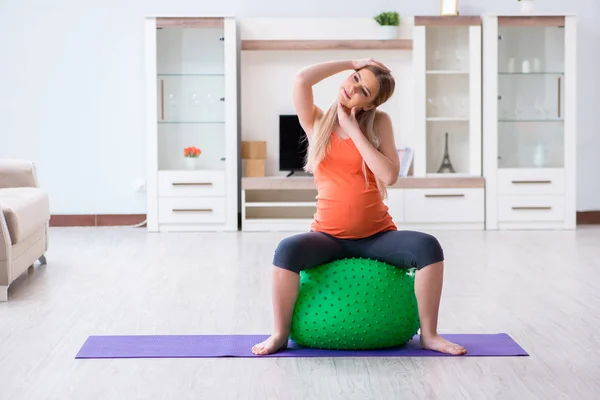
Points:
(357, 304)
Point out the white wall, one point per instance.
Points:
(71, 77)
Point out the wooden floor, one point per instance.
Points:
(543, 288)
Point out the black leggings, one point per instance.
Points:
(402, 249)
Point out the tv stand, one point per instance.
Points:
(290, 174)
(278, 203)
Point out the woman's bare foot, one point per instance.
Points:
(438, 343)
(273, 344)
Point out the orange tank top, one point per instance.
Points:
(348, 207)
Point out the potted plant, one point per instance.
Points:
(190, 155)
(527, 6)
(388, 22)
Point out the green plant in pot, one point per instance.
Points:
(388, 22)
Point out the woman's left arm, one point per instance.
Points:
(383, 162)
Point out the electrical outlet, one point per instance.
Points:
(140, 185)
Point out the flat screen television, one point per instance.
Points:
(292, 144)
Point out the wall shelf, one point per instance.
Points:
(395, 44)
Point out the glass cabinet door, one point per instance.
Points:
(531, 85)
(191, 96)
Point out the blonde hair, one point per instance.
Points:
(319, 144)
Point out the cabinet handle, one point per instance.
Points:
(191, 183)
(533, 208)
(200, 210)
(559, 89)
(445, 195)
(162, 99)
(531, 182)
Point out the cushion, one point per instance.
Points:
(25, 210)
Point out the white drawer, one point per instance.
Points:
(444, 205)
(395, 204)
(191, 210)
(191, 183)
(531, 181)
(531, 208)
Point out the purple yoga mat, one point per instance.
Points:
(213, 346)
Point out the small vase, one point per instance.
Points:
(388, 32)
(191, 162)
(527, 6)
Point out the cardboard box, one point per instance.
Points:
(254, 168)
(255, 150)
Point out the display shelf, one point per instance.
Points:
(531, 144)
(173, 138)
(447, 68)
(271, 45)
(191, 90)
(193, 51)
(447, 48)
(198, 97)
(458, 146)
(530, 72)
(447, 97)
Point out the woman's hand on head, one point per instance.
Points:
(361, 63)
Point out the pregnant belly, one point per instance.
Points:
(354, 216)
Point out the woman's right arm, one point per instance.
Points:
(306, 78)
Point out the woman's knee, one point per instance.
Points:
(289, 251)
(430, 241)
(430, 250)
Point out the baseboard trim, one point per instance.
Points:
(97, 220)
(588, 217)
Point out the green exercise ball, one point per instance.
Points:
(357, 304)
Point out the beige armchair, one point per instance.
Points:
(24, 221)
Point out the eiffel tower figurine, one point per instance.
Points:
(446, 164)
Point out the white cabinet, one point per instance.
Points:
(530, 121)
(288, 204)
(447, 71)
(448, 86)
(443, 206)
(191, 101)
(395, 204)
